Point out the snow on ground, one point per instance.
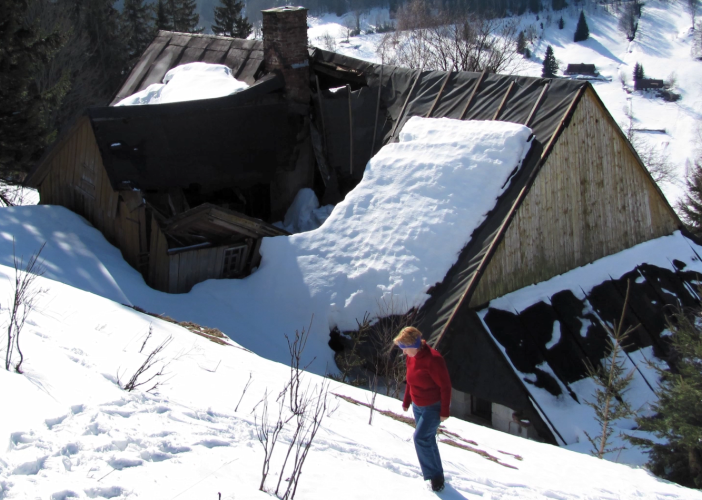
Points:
(188, 82)
(662, 45)
(378, 247)
(68, 431)
(571, 419)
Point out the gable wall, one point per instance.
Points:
(592, 198)
(77, 180)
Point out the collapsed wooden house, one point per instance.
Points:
(187, 191)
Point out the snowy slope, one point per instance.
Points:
(68, 431)
(662, 46)
(379, 246)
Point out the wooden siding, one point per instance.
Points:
(592, 198)
(76, 179)
(185, 269)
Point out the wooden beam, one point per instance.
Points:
(472, 94)
(321, 112)
(348, 89)
(441, 91)
(504, 100)
(404, 106)
(536, 105)
(377, 111)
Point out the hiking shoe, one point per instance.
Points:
(437, 484)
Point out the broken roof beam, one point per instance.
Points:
(441, 91)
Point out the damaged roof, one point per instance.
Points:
(170, 49)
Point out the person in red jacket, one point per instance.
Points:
(429, 390)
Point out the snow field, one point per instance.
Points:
(77, 435)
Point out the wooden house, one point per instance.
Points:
(649, 84)
(187, 191)
(581, 69)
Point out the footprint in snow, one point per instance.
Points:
(108, 492)
(63, 495)
(51, 422)
(123, 463)
(167, 447)
(30, 468)
(213, 443)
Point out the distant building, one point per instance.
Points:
(581, 69)
(649, 84)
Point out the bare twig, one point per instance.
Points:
(248, 383)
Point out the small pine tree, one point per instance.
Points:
(677, 421)
(561, 23)
(164, 16)
(550, 64)
(582, 32)
(612, 382)
(228, 20)
(521, 43)
(527, 53)
(138, 27)
(185, 19)
(638, 72)
(690, 206)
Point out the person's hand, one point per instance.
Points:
(405, 408)
(443, 419)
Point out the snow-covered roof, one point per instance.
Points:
(170, 49)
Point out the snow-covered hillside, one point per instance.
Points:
(662, 45)
(68, 431)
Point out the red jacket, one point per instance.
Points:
(428, 380)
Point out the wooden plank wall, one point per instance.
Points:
(592, 198)
(77, 180)
(185, 269)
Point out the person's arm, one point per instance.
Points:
(407, 400)
(440, 375)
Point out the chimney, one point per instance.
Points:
(285, 49)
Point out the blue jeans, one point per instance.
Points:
(427, 422)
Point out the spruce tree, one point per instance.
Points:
(164, 16)
(638, 72)
(582, 32)
(25, 49)
(138, 27)
(550, 64)
(677, 421)
(690, 206)
(521, 43)
(228, 20)
(185, 19)
(561, 23)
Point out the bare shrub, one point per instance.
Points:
(306, 412)
(22, 302)
(653, 158)
(438, 39)
(327, 42)
(146, 373)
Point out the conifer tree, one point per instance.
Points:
(558, 4)
(521, 43)
(25, 48)
(582, 32)
(535, 6)
(138, 27)
(550, 64)
(164, 17)
(185, 19)
(690, 206)
(677, 421)
(561, 23)
(638, 72)
(228, 20)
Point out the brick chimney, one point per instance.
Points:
(285, 49)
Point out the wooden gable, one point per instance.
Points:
(592, 197)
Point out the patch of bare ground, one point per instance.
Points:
(452, 439)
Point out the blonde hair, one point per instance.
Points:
(408, 335)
